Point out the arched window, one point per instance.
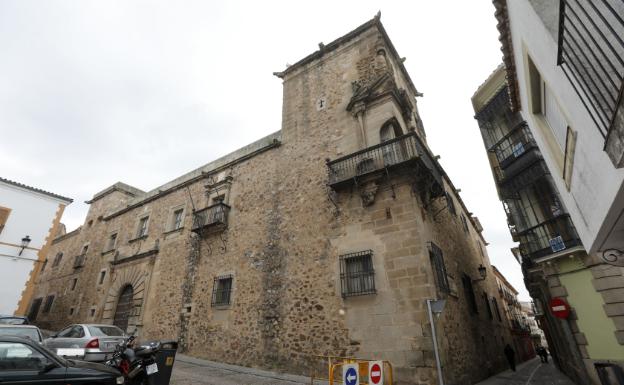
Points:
(124, 307)
(393, 152)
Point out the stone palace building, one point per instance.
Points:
(324, 238)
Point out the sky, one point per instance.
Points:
(95, 92)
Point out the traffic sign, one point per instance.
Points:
(375, 372)
(559, 308)
(350, 374)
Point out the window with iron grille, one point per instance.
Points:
(34, 309)
(464, 223)
(450, 203)
(142, 228)
(57, 259)
(487, 305)
(48, 304)
(222, 290)
(469, 292)
(177, 219)
(498, 315)
(357, 276)
(439, 268)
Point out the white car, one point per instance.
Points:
(88, 342)
(25, 331)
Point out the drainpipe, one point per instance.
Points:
(435, 341)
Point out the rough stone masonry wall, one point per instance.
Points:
(285, 235)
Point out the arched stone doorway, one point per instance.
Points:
(123, 311)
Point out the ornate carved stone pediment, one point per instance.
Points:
(382, 86)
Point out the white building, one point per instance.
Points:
(29, 220)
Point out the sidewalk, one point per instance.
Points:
(194, 371)
(532, 372)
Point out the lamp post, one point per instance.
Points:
(436, 306)
(25, 242)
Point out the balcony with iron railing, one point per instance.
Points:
(211, 218)
(79, 261)
(514, 145)
(591, 55)
(392, 154)
(553, 236)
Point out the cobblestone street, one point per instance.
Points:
(192, 371)
(532, 372)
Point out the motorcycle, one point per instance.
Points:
(136, 364)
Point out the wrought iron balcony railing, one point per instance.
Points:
(591, 54)
(550, 237)
(213, 217)
(79, 260)
(513, 145)
(386, 155)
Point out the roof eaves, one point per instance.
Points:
(502, 17)
(37, 190)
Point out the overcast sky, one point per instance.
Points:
(92, 93)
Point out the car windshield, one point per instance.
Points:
(12, 321)
(103, 331)
(31, 333)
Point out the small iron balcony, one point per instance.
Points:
(79, 260)
(381, 157)
(211, 218)
(513, 145)
(549, 237)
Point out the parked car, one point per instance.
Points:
(89, 342)
(24, 331)
(23, 361)
(14, 320)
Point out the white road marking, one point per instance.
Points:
(533, 373)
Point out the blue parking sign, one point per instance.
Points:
(350, 374)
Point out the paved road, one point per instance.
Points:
(532, 372)
(192, 371)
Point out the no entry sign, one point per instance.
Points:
(375, 372)
(559, 308)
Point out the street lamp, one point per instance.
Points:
(25, 242)
(482, 273)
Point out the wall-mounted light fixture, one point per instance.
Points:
(25, 242)
(482, 273)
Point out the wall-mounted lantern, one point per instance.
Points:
(25, 242)
(482, 273)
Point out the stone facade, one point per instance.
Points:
(282, 225)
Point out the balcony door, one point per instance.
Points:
(392, 153)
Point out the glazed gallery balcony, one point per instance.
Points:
(553, 236)
(211, 218)
(515, 152)
(402, 151)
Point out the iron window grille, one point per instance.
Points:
(57, 259)
(439, 268)
(79, 260)
(48, 304)
(177, 219)
(591, 54)
(357, 276)
(34, 309)
(222, 290)
(142, 229)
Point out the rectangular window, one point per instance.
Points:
(469, 293)
(71, 311)
(34, 309)
(357, 276)
(57, 259)
(177, 219)
(74, 283)
(112, 241)
(495, 304)
(142, 229)
(48, 304)
(102, 276)
(43, 266)
(439, 268)
(85, 248)
(4, 217)
(553, 115)
(487, 305)
(92, 312)
(79, 261)
(221, 290)
(450, 204)
(464, 223)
